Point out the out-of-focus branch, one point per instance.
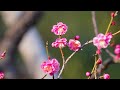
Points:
(13, 36)
(94, 22)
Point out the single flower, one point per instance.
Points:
(59, 29)
(102, 41)
(60, 43)
(50, 66)
(106, 76)
(74, 45)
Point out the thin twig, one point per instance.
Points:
(70, 57)
(110, 22)
(53, 76)
(44, 76)
(94, 22)
(110, 54)
(63, 66)
(116, 33)
(88, 42)
(63, 63)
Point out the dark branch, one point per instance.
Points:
(14, 35)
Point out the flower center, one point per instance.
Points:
(60, 30)
(48, 68)
(75, 45)
(102, 42)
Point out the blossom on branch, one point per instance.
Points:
(50, 66)
(106, 76)
(102, 41)
(74, 45)
(60, 42)
(59, 29)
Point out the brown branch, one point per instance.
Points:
(105, 64)
(13, 36)
(94, 22)
(103, 67)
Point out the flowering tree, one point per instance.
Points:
(101, 41)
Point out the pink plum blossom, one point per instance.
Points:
(60, 42)
(1, 75)
(117, 58)
(74, 45)
(101, 40)
(117, 49)
(59, 29)
(88, 74)
(50, 66)
(106, 76)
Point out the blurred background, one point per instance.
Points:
(30, 51)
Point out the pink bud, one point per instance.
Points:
(117, 46)
(99, 61)
(113, 23)
(88, 74)
(3, 55)
(113, 14)
(77, 37)
(112, 44)
(98, 51)
(106, 76)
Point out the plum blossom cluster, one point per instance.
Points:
(100, 41)
(53, 66)
(60, 29)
